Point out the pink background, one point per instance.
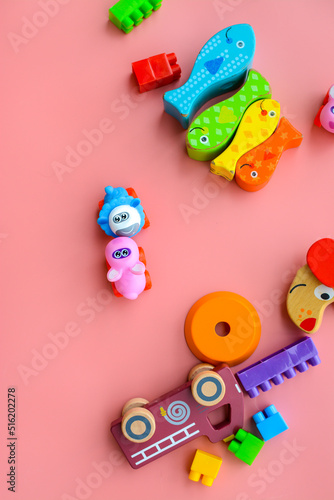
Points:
(73, 73)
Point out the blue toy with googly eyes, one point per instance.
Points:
(120, 213)
(221, 66)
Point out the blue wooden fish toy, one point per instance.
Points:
(221, 66)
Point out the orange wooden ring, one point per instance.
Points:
(233, 310)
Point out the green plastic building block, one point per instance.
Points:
(212, 131)
(245, 446)
(126, 14)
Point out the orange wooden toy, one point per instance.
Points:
(242, 328)
(255, 168)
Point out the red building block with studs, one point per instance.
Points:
(156, 71)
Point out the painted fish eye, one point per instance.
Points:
(332, 109)
(254, 174)
(204, 139)
(323, 292)
(117, 254)
(125, 252)
(272, 113)
(240, 44)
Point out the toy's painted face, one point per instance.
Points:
(307, 299)
(121, 253)
(124, 220)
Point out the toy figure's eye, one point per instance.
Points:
(254, 174)
(204, 139)
(116, 219)
(124, 216)
(323, 292)
(272, 113)
(240, 44)
(332, 109)
(125, 252)
(117, 254)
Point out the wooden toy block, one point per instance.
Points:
(312, 290)
(255, 168)
(156, 71)
(205, 465)
(221, 66)
(325, 115)
(258, 123)
(296, 356)
(146, 432)
(245, 446)
(269, 422)
(126, 14)
(241, 320)
(212, 131)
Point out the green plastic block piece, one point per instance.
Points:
(213, 130)
(245, 446)
(126, 14)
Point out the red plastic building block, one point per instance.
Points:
(156, 71)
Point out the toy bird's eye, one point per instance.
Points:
(117, 254)
(254, 174)
(116, 219)
(125, 252)
(124, 216)
(204, 139)
(332, 109)
(272, 113)
(323, 292)
(240, 44)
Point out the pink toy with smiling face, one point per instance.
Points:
(126, 271)
(325, 116)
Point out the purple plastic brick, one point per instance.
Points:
(296, 356)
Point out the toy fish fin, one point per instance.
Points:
(138, 268)
(317, 121)
(114, 275)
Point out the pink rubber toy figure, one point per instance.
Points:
(127, 272)
(325, 115)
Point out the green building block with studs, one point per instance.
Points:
(126, 14)
(245, 446)
(213, 130)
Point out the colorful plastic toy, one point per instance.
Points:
(258, 123)
(325, 115)
(239, 317)
(147, 431)
(296, 356)
(121, 213)
(126, 271)
(156, 71)
(212, 131)
(312, 290)
(245, 446)
(255, 168)
(126, 14)
(269, 422)
(220, 66)
(205, 465)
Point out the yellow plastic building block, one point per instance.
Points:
(205, 465)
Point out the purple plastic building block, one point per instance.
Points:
(272, 368)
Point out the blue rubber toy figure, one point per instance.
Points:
(121, 214)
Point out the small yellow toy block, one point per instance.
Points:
(205, 465)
